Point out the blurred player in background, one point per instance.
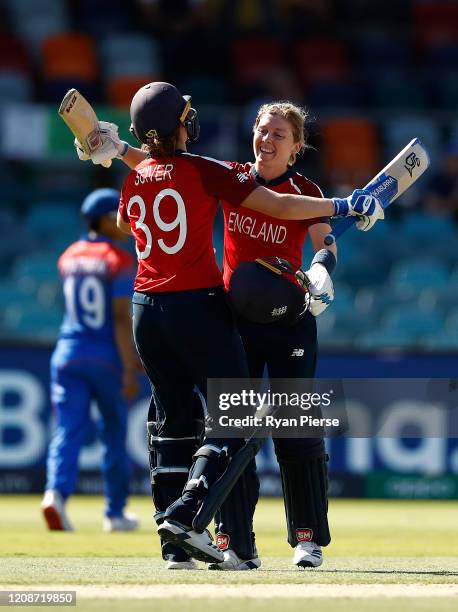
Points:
(94, 360)
(182, 326)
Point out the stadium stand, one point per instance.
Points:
(399, 279)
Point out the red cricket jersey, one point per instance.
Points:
(249, 234)
(171, 205)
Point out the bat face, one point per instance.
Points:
(400, 173)
(80, 117)
(397, 176)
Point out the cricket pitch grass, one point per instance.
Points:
(385, 555)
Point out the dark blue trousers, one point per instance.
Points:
(183, 338)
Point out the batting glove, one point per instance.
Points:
(361, 204)
(317, 281)
(112, 146)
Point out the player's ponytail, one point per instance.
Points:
(161, 146)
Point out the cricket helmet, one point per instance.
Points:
(265, 291)
(158, 109)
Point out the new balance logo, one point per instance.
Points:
(297, 353)
(242, 177)
(278, 312)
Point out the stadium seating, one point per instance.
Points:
(399, 131)
(253, 59)
(47, 219)
(349, 150)
(130, 54)
(372, 87)
(13, 54)
(399, 89)
(435, 21)
(26, 321)
(15, 87)
(321, 60)
(426, 229)
(69, 56)
(415, 322)
(386, 339)
(420, 273)
(122, 89)
(99, 20)
(446, 89)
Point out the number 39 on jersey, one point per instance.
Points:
(179, 221)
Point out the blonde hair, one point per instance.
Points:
(158, 146)
(296, 117)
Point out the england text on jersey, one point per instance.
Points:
(268, 231)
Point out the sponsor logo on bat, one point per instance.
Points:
(388, 182)
(71, 103)
(385, 188)
(411, 162)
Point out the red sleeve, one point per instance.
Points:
(124, 199)
(226, 181)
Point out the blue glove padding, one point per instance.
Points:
(361, 202)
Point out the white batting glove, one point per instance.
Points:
(111, 146)
(318, 282)
(361, 204)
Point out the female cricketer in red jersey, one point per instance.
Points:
(183, 327)
(287, 347)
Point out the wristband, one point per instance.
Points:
(124, 148)
(341, 207)
(325, 258)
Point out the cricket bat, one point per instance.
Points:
(395, 178)
(80, 117)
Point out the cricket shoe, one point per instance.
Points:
(308, 554)
(232, 562)
(197, 545)
(182, 565)
(177, 558)
(53, 508)
(127, 522)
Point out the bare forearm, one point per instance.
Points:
(122, 225)
(317, 233)
(133, 156)
(288, 206)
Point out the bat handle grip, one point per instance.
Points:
(339, 229)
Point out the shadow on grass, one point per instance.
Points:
(393, 572)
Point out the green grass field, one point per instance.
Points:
(381, 543)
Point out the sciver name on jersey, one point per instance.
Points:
(171, 208)
(249, 234)
(93, 271)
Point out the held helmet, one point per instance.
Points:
(158, 108)
(265, 291)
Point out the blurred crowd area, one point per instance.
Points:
(373, 76)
